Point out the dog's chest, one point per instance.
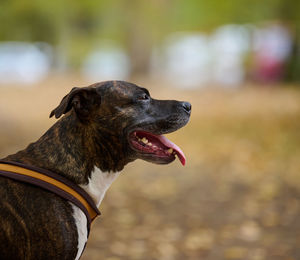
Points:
(81, 225)
(96, 188)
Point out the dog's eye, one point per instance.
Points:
(144, 97)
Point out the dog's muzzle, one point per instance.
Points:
(147, 138)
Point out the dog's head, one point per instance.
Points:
(129, 119)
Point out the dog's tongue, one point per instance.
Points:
(176, 148)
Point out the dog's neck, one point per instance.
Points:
(98, 184)
(73, 150)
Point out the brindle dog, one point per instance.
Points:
(105, 126)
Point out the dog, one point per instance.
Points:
(101, 128)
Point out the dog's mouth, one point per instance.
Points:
(156, 147)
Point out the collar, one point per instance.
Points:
(52, 182)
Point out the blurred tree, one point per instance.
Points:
(288, 12)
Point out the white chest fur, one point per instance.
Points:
(99, 184)
(81, 224)
(96, 188)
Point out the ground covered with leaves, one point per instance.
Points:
(238, 197)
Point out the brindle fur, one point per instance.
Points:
(36, 224)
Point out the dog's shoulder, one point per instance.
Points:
(24, 209)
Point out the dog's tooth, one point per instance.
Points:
(145, 140)
(170, 150)
(150, 144)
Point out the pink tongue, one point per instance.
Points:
(176, 148)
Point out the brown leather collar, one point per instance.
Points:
(52, 182)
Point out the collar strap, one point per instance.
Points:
(52, 182)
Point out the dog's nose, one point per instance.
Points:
(187, 107)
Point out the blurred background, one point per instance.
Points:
(237, 62)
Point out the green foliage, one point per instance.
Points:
(135, 24)
(46, 20)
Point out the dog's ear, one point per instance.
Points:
(81, 99)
